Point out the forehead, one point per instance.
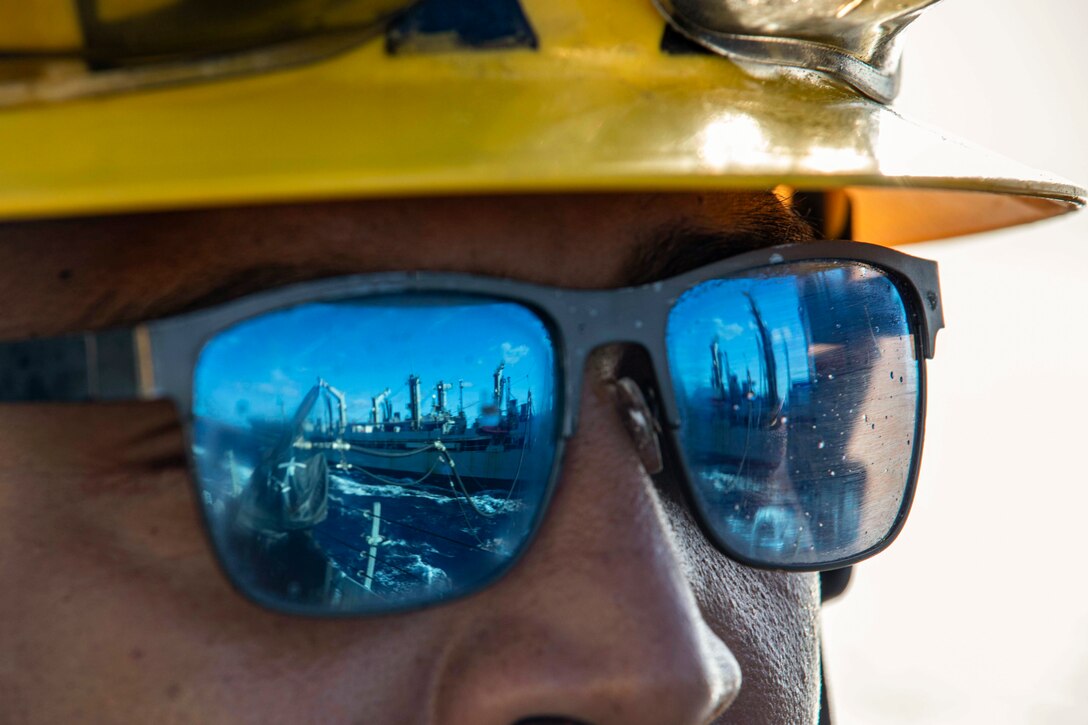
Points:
(72, 274)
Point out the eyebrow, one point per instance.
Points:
(682, 246)
(667, 251)
(247, 281)
(673, 248)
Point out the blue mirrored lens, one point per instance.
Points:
(376, 454)
(798, 391)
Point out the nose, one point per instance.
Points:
(597, 624)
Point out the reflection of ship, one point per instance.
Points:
(440, 447)
(758, 400)
(774, 453)
(301, 533)
(742, 426)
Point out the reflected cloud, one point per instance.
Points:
(512, 354)
(727, 330)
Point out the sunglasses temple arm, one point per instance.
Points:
(106, 365)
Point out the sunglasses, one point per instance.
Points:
(376, 443)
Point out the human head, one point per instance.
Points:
(581, 560)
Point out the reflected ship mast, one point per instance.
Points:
(499, 384)
(769, 366)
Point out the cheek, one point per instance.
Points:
(770, 621)
(112, 602)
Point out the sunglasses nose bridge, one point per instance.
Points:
(634, 316)
(599, 318)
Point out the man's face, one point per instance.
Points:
(113, 607)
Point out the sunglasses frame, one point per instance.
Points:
(157, 359)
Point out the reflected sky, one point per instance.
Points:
(264, 367)
(721, 310)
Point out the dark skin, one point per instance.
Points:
(620, 612)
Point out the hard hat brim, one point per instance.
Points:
(470, 122)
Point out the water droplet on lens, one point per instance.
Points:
(820, 444)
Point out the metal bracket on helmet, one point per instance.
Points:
(852, 41)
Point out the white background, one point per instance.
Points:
(979, 612)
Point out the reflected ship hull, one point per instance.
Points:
(733, 443)
(479, 470)
(489, 461)
(464, 461)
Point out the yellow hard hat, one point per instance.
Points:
(111, 106)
